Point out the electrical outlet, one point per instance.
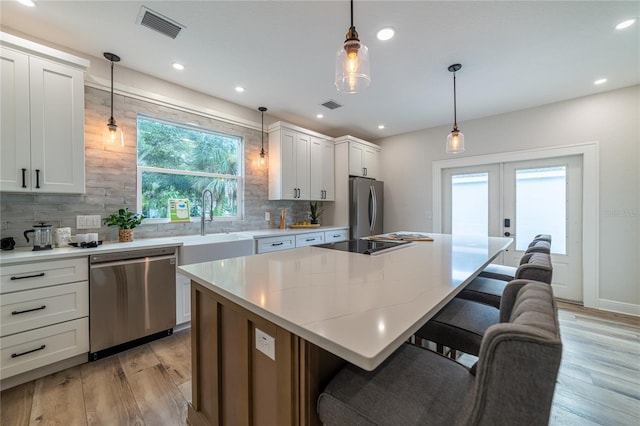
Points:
(266, 344)
(88, 221)
(267, 216)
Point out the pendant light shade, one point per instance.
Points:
(263, 155)
(112, 133)
(455, 140)
(352, 63)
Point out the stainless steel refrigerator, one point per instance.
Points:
(365, 210)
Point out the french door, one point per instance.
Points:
(521, 199)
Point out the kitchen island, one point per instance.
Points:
(269, 330)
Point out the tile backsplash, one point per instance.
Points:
(111, 179)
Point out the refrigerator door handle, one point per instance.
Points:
(373, 215)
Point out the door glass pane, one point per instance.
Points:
(541, 206)
(470, 204)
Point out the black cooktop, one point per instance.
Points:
(363, 246)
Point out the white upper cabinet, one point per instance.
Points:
(322, 169)
(363, 157)
(42, 118)
(293, 164)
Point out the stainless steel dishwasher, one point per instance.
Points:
(132, 299)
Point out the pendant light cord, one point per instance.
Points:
(262, 134)
(455, 118)
(111, 89)
(351, 13)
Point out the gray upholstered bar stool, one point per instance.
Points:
(533, 266)
(511, 384)
(508, 273)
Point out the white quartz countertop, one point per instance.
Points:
(26, 254)
(359, 307)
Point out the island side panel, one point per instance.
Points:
(233, 382)
(204, 408)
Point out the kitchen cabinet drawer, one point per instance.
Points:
(266, 245)
(310, 239)
(36, 348)
(27, 276)
(26, 310)
(335, 236)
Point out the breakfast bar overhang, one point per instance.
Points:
(269, 330)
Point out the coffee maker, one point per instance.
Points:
(41, 236)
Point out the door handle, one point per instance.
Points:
(38, 178)
(28, 310)
(24, 181)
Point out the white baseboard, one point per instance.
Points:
(619, 307)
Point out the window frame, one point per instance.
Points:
(240, 177)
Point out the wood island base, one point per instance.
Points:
(234, 383)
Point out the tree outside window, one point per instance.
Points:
(180, 161)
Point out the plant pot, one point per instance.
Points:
(125, 235)
(314, 221)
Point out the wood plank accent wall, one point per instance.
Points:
(235, 384)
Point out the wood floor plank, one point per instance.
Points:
(138, 359)
(58, 399)
(158, 397)
(175, 357)
(15, 405)
(107, 395)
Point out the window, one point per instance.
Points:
(177, 161)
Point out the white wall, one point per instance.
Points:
(611, 118)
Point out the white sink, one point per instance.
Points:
(197, 248)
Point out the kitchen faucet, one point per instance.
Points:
(202, 218)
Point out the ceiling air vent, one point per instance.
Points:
(331, 104)
(150, 19)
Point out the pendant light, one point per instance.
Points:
(455, 140)
(352, 63)
(112, 133)
(263, 155)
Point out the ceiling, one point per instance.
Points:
(514, 54)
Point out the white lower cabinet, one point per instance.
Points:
(335, 236)
(44, 313)
(310, 239)
(26, 351)
(266, 245)
(25, 310)
(183, 299)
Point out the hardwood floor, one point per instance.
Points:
(598, 383)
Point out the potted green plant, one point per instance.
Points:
(125, 221)
(315, 212)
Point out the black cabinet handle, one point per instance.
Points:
(28, 310)
(28, 352)
(276, 244)
(38, 178)
(41, 274)
(24, 178)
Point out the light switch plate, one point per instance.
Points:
(88, 221)
(266, 344)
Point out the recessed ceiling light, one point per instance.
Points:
(625, 24)
(600, 81)
(385, 33)
(29, 3)
(380, 126)
(239, 89)
(178, 66)
(319, 116)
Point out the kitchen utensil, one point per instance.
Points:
(7, 243)
(41, 236)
